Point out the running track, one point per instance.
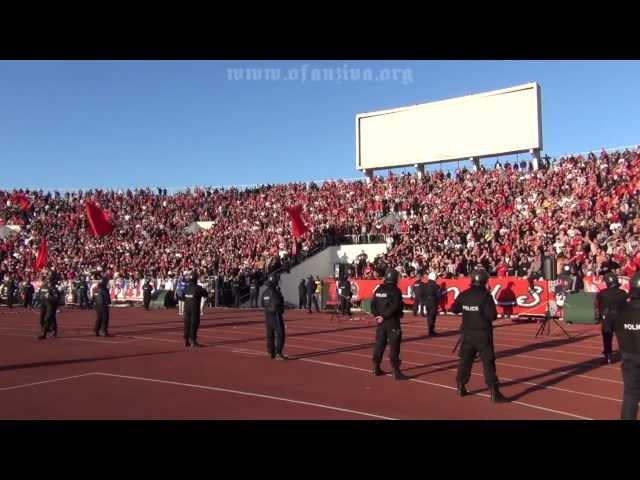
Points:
(145, 372)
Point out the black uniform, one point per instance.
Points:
(273, 304)
(302, 294)
(101, 302)
(478, 312)
(193, 294)
(219, 297)
(253, 293)
(11, 289)
(235, 292)
(627, 330)
(49, 299)
(146, 294)
(431, 296)
(418, 306)
(343, 288)
(311, 298)
(27, 294)
(387, 303)
(610, 302)
(82, 294)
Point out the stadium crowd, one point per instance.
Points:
(585, 210)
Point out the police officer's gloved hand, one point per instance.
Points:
(379, 320)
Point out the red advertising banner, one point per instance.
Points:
(511, 294)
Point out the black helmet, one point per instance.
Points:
(479, 277)
(611, 280)
(634, 285)
(391, 277)
(273, 279)
(194, 277)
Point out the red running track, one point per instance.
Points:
(145, 372)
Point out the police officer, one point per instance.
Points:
(147, 289)
(386, 306)
(101, 302)
(302, 294)
(273, 304)
(49, 299)
(430, 298)
(27, 293)
(610, 302)
(253, 292)
(11, 288)
(193, 294)
(627, 330)
(235, 291)
(478, 312)
(417, 295)
(83, 293)
(343, 289)
(311, 298)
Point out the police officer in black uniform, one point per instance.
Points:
(101, 302)
(49, 299)
(610, 303)
(343, 289)
(311, 298)
(235, 291)
(478, 312)
(627, 330)
(430, 298)
(273, 304)
(253, 292)
(27, 293)
(302, 294)
(386, 306)
(146, 293)
(83, 290)
(11, 288)
(193, 294)
(417, 295)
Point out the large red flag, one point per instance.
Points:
(41, 261)
(98, 221)
(22, 200)
(299, 228)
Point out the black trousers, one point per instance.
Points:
(28, 300)
(191, 323)
(82, 298)
(275, 333)
(477, 342)
(253, 299)
(607, 341)
(146, 299)
(311, 299)
(432, 310)
(631, 379)
(419, 308)
(102, 319)
(48, 321)
(345, 306)
(302, 301)
(388, 331)
(10, 300)
(236, 300)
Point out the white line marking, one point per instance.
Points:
(4, 389)
(249, 394)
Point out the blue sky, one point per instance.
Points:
(175, 124)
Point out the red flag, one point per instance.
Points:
(22, 200)
(98, 221)
(41, 261)
(299, 228)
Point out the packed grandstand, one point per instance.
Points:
(583, 209)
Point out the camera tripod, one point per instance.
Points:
(546, 322)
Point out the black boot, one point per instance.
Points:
(195, 343)
(187, 343)
(398, 375)
(462, 391)
(496, 396)
(377, 371)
